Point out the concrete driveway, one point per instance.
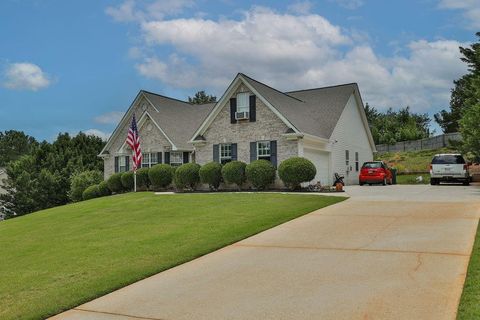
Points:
(393, 252)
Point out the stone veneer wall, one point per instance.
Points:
(267, 127)
(151, 140)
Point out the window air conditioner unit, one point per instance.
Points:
(242, 115)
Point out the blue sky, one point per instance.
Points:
(69, 66)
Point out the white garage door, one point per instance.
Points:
(321, 160)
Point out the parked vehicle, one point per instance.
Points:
(375, 172)
(449, 167)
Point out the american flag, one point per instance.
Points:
(133, 140)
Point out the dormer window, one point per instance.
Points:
(242, 102)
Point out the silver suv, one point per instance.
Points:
(449, 167)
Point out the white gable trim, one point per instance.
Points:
(140, 123)
(126, 118)
(359, 103)
(223, 100)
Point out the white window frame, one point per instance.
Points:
(263, 146)
(176, 158)
(243, 101)
(150, 162)
(357, 162)
(225, 152)
(122, 164)
(347, 157)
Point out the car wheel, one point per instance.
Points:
(433, 181)
(466, 183)
(361, 183)
(384, 181)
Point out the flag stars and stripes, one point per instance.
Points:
(133, 140)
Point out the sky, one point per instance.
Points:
(70, 66)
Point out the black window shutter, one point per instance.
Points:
(159, 157)
(273, 152)
(127, 163)
(253, 108)
(253, 151)
(216, 154)
(233, 109)
(116, 164)
(167, 157)
(185, 156)
(234, 152)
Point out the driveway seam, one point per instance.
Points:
(349, 249)
(118, 314)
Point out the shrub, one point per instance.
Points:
(81, 181)
(103, 189)
(187, 176)
(260, 173)
(127, 181)
(143, 182)
(115, 183)
(234, 172)
(91, 192)
(296, 170)
(160, 175)
(211, 174)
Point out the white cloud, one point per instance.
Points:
(470, 10)
(113, 117)
(302, 7)
(349, 4)
(140, 10)
(25, 76)
(95, 132)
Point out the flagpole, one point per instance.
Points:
(135, 180)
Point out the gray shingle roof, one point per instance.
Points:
(312, 111)
(178, 119)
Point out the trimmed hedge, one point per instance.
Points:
(211, 174)
(115, 183)
(260, 173)
(81, 181)
(187, 176)
(91, 192)
(103, 189)
(160, 175)
(296, 170)
(143, 182)
(234, 172)
(127, 181)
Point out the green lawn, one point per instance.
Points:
(58, 258)
(410, 161)
(470, 303)
(411, 178)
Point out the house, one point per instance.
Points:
(251, 121)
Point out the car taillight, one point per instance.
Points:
(430, 167)
(465, 167)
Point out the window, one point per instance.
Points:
(347, 158)
(149, 159)
(448, 159)
(356, 162)
(243, 102)
(176, 158)
(225, 153)
(122, 164)
(263, 150)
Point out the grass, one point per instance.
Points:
(410, 161)
(469, 307)
(411, 178)
(55, 259)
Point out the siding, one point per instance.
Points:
(350, 134)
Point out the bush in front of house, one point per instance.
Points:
(160, 176)
(115, 183)
(211, 174)
(81, 181)
(127, 180)
(187, 176)
(103, 189)
(296, 170)
(91, 192)
(260, 173)
(143, 182)
(234, 172)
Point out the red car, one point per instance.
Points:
(375, 172)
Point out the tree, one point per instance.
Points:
(392, 126)
(14, 144)
(201, 98)
(462, 91)
(470, 121)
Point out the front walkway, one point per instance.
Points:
(394, 252)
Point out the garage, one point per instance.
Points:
(321, 160)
